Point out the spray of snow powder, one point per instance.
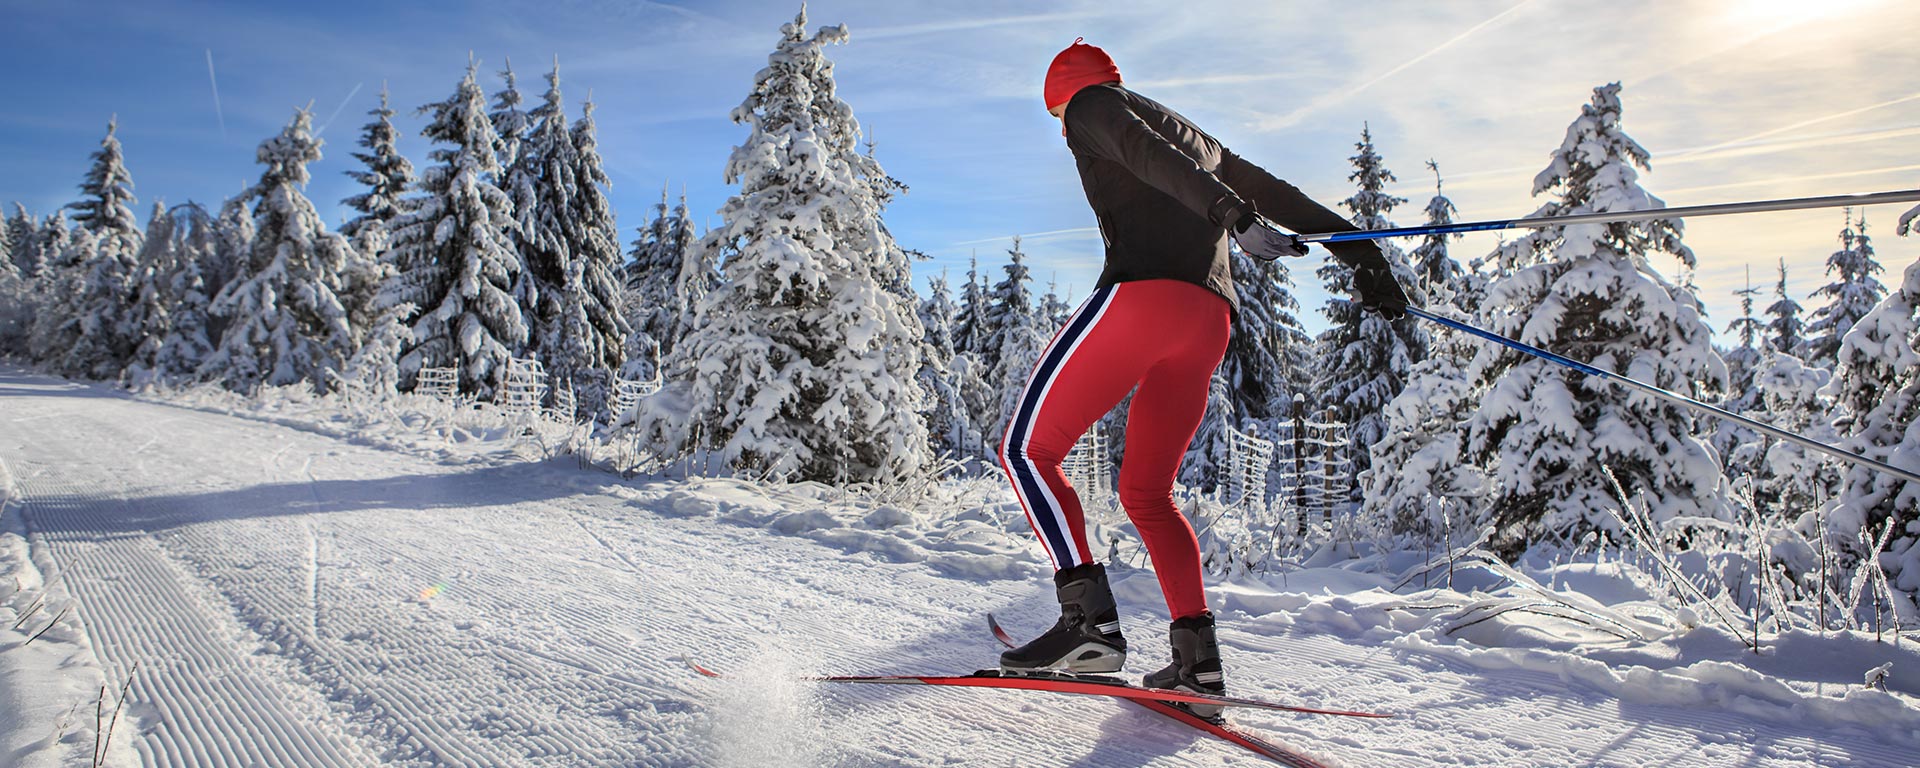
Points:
(765, 713)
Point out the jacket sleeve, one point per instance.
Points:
(1104, 124)
(1287, 206)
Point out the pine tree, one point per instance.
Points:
(1053, 311)
(588, 344)
(970, 321)
(1789, 332)
(802, 360)
(189, 338)
(1740, 446)
(1589, 292)
(103, 337)
(21, 235)
(55, 328)
(388, 176)
(287, 322)
(1265, 332)
(1207, 457)
(653, 277)
(1440, 277)
(1878, 388)
(1850, 297)
(149, 318)
(1367, 359)
(453, 252)
(1783, 475)
(948, 422)
(1014, 331)
(510, 126)
(15, 314)
(543, 186)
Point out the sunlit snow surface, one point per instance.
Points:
(304, 583)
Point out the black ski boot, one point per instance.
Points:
(1196, 664)
(1087, 637)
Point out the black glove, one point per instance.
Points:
(1377, 291)
(1263, 240)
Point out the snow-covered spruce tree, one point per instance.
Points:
(1440, 277)
(387, 176)
(1789, 331)
(21, 234)
(1364, 358)
(149, 316)
(802, 361)
(103, 339)
(10, 254)
(188, 341)
(523, 176)
(233, 245)
(948, 422)
(1851, 295)
(1014, 332)
(1740, 447)
(587, 344)
(1419, 466)
(1052, 311)
(1205, 464)
(539, 176)
(1590, 293)
(15, 313)
(453, 252)
(510, 126)
(61, 251)
(286, 320)
(652, 280)
(1878, 387)
(970, 319)
(1267, 356)
(1786, 477)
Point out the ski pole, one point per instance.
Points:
(1689, 402)
(1720, 209)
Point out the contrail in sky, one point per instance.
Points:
(1293, 118)
(1810, 177)
(1030, 236)
(336, 110)
(1801, 124)
(216, 96)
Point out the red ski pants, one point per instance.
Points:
(1164, 336)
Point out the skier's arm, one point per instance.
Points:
(1103, 123)
(1287, 206)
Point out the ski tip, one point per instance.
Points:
(998, 632)
(700, 669)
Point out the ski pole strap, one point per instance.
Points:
(1792, 437)
(1789, 204)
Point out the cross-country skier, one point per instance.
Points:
(1167, 195)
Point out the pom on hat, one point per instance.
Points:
(1077, 67)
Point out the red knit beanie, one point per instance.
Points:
(1077, 67)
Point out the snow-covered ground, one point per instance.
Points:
(278, 583)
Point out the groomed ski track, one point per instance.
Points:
(294, 599)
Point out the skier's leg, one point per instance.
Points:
(1089, 367)
(1166, 412)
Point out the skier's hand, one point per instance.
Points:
(1263, 240)
(1376, 291)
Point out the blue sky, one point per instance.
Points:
(1736, 99)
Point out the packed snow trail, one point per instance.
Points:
(294, 599)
